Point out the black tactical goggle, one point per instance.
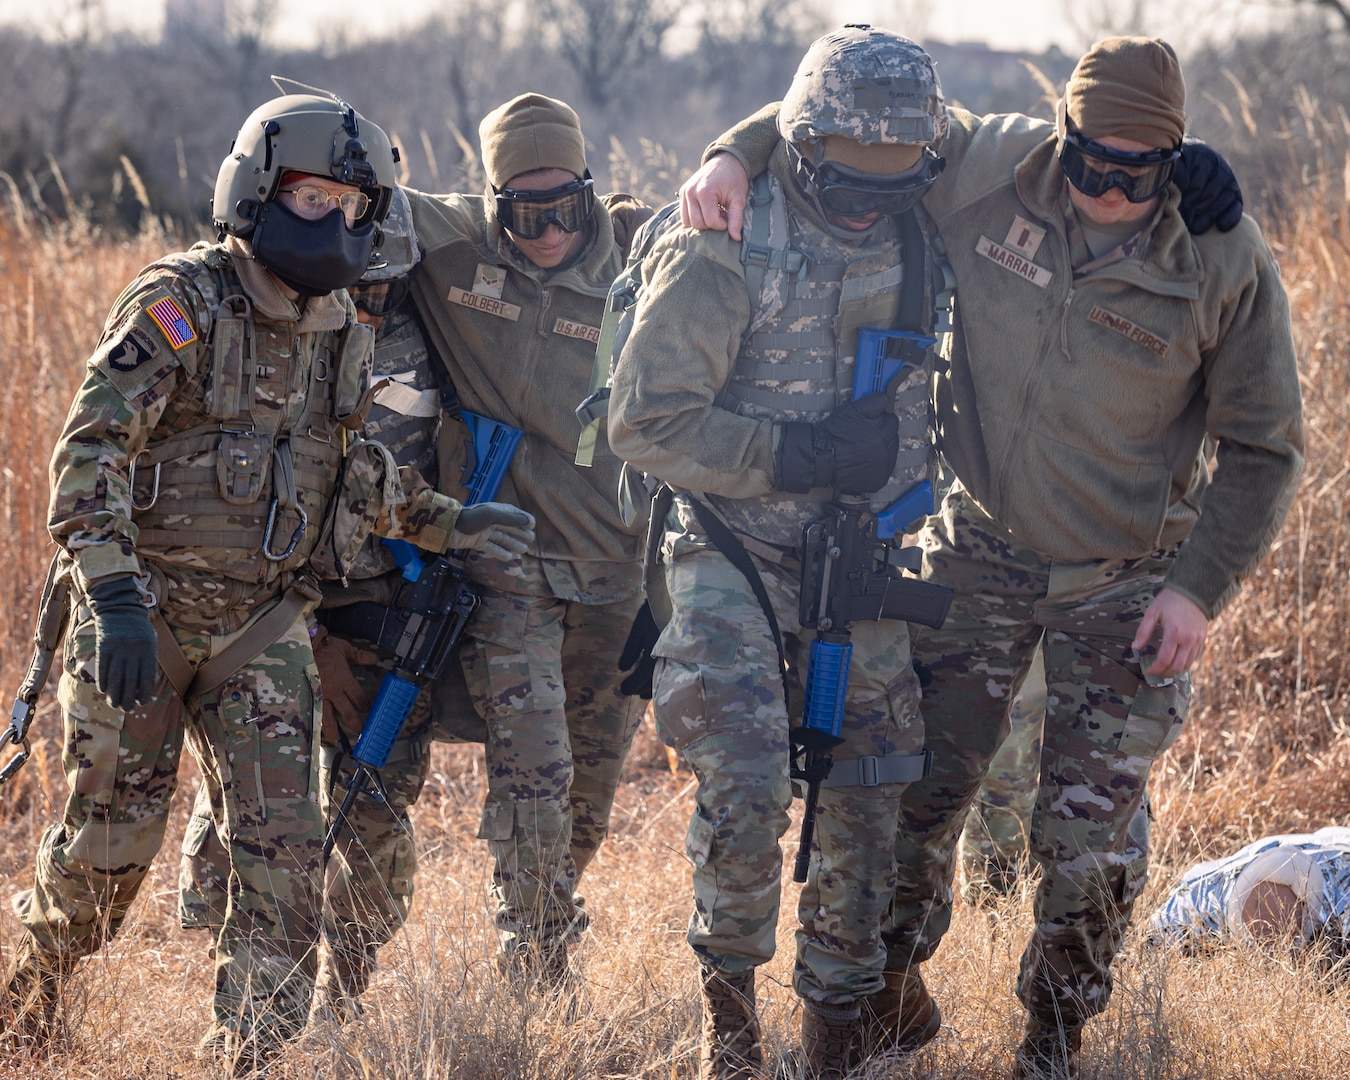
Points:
(851, 193)
(379, 298)
(1095, 169)
(529, 213)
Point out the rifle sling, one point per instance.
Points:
(263, 630)
(725, 541)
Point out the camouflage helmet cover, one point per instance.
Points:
(309, 133)
(868, 85)
(396, 253)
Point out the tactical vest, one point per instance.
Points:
(242, 485)
(797, 360)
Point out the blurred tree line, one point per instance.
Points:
(118, 126)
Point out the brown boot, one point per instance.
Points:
(33, 996)
(731, 1047)
(829, 1042)
(1048, 1052)
(901, 1016)
(347, 965)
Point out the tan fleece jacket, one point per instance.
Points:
(520, 346)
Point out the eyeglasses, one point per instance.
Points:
(851, 193)
(1095, 169)
(528, 213)
(379, 298)
(312, 202)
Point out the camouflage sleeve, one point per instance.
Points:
(426, 519)
(153, 334)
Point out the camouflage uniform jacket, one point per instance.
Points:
(519, 343)
(1076, 405)
(703, 380)
(209, 427)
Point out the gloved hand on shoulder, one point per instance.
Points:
(126, 661)
(1210, 193)
(499, 530)
(852, 450)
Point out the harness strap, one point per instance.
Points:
(263, 630)
(869, 771)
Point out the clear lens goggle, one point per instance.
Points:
(529, 213)
(851, 193)
(379, 298)
(1095, 169)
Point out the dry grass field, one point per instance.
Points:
(1267, 749)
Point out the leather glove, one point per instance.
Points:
(637, 655)
(500, 530)
(345, 702)
(852, 450)
(125, 650)
(1210, 194)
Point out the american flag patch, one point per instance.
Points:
(173, 322)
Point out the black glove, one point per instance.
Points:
(637, 654)
(852, 450)
(125, 655)
(1210, 194)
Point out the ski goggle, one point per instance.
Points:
(379, 298)
(1095, 169)
(851, 193)
(529, 213)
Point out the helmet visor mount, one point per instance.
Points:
(1095, 169)
(528, 213)
(852, 193)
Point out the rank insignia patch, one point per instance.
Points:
(132, 351)
(178, 329)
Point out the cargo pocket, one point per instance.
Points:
(1155, 719)
(501, 620)
(695, 655)
(499, 819)
(238, 706)
(698, 841)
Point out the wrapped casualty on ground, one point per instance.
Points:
(1297, 883)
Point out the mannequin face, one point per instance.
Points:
(1272, 910)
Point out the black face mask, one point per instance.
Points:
(312, 257)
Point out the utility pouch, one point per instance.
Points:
(243, 462)
(351, 371)
(233, 367)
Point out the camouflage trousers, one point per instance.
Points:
(543, 675)
(369, 879)
(252, 738)
(994, 840)
(995, 843)
(719, 701)
(1104, 728)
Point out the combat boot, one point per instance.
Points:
(901, 1016)
(731, 1048)
(829, 1042)
(33, 996)
(1048, 1052)
(541, 966)
(347, 966)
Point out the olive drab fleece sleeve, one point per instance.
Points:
(663, 416)
(151, 345)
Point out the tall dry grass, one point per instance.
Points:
(1267, 750)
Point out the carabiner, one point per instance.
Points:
(271, 527)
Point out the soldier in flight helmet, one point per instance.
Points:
(191, 497)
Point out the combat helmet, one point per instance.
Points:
(313, 133)
(385, 283)
(868, 85)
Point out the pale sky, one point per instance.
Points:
(1030, 25)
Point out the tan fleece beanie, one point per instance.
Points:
(531, 132)
(1130, 87)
